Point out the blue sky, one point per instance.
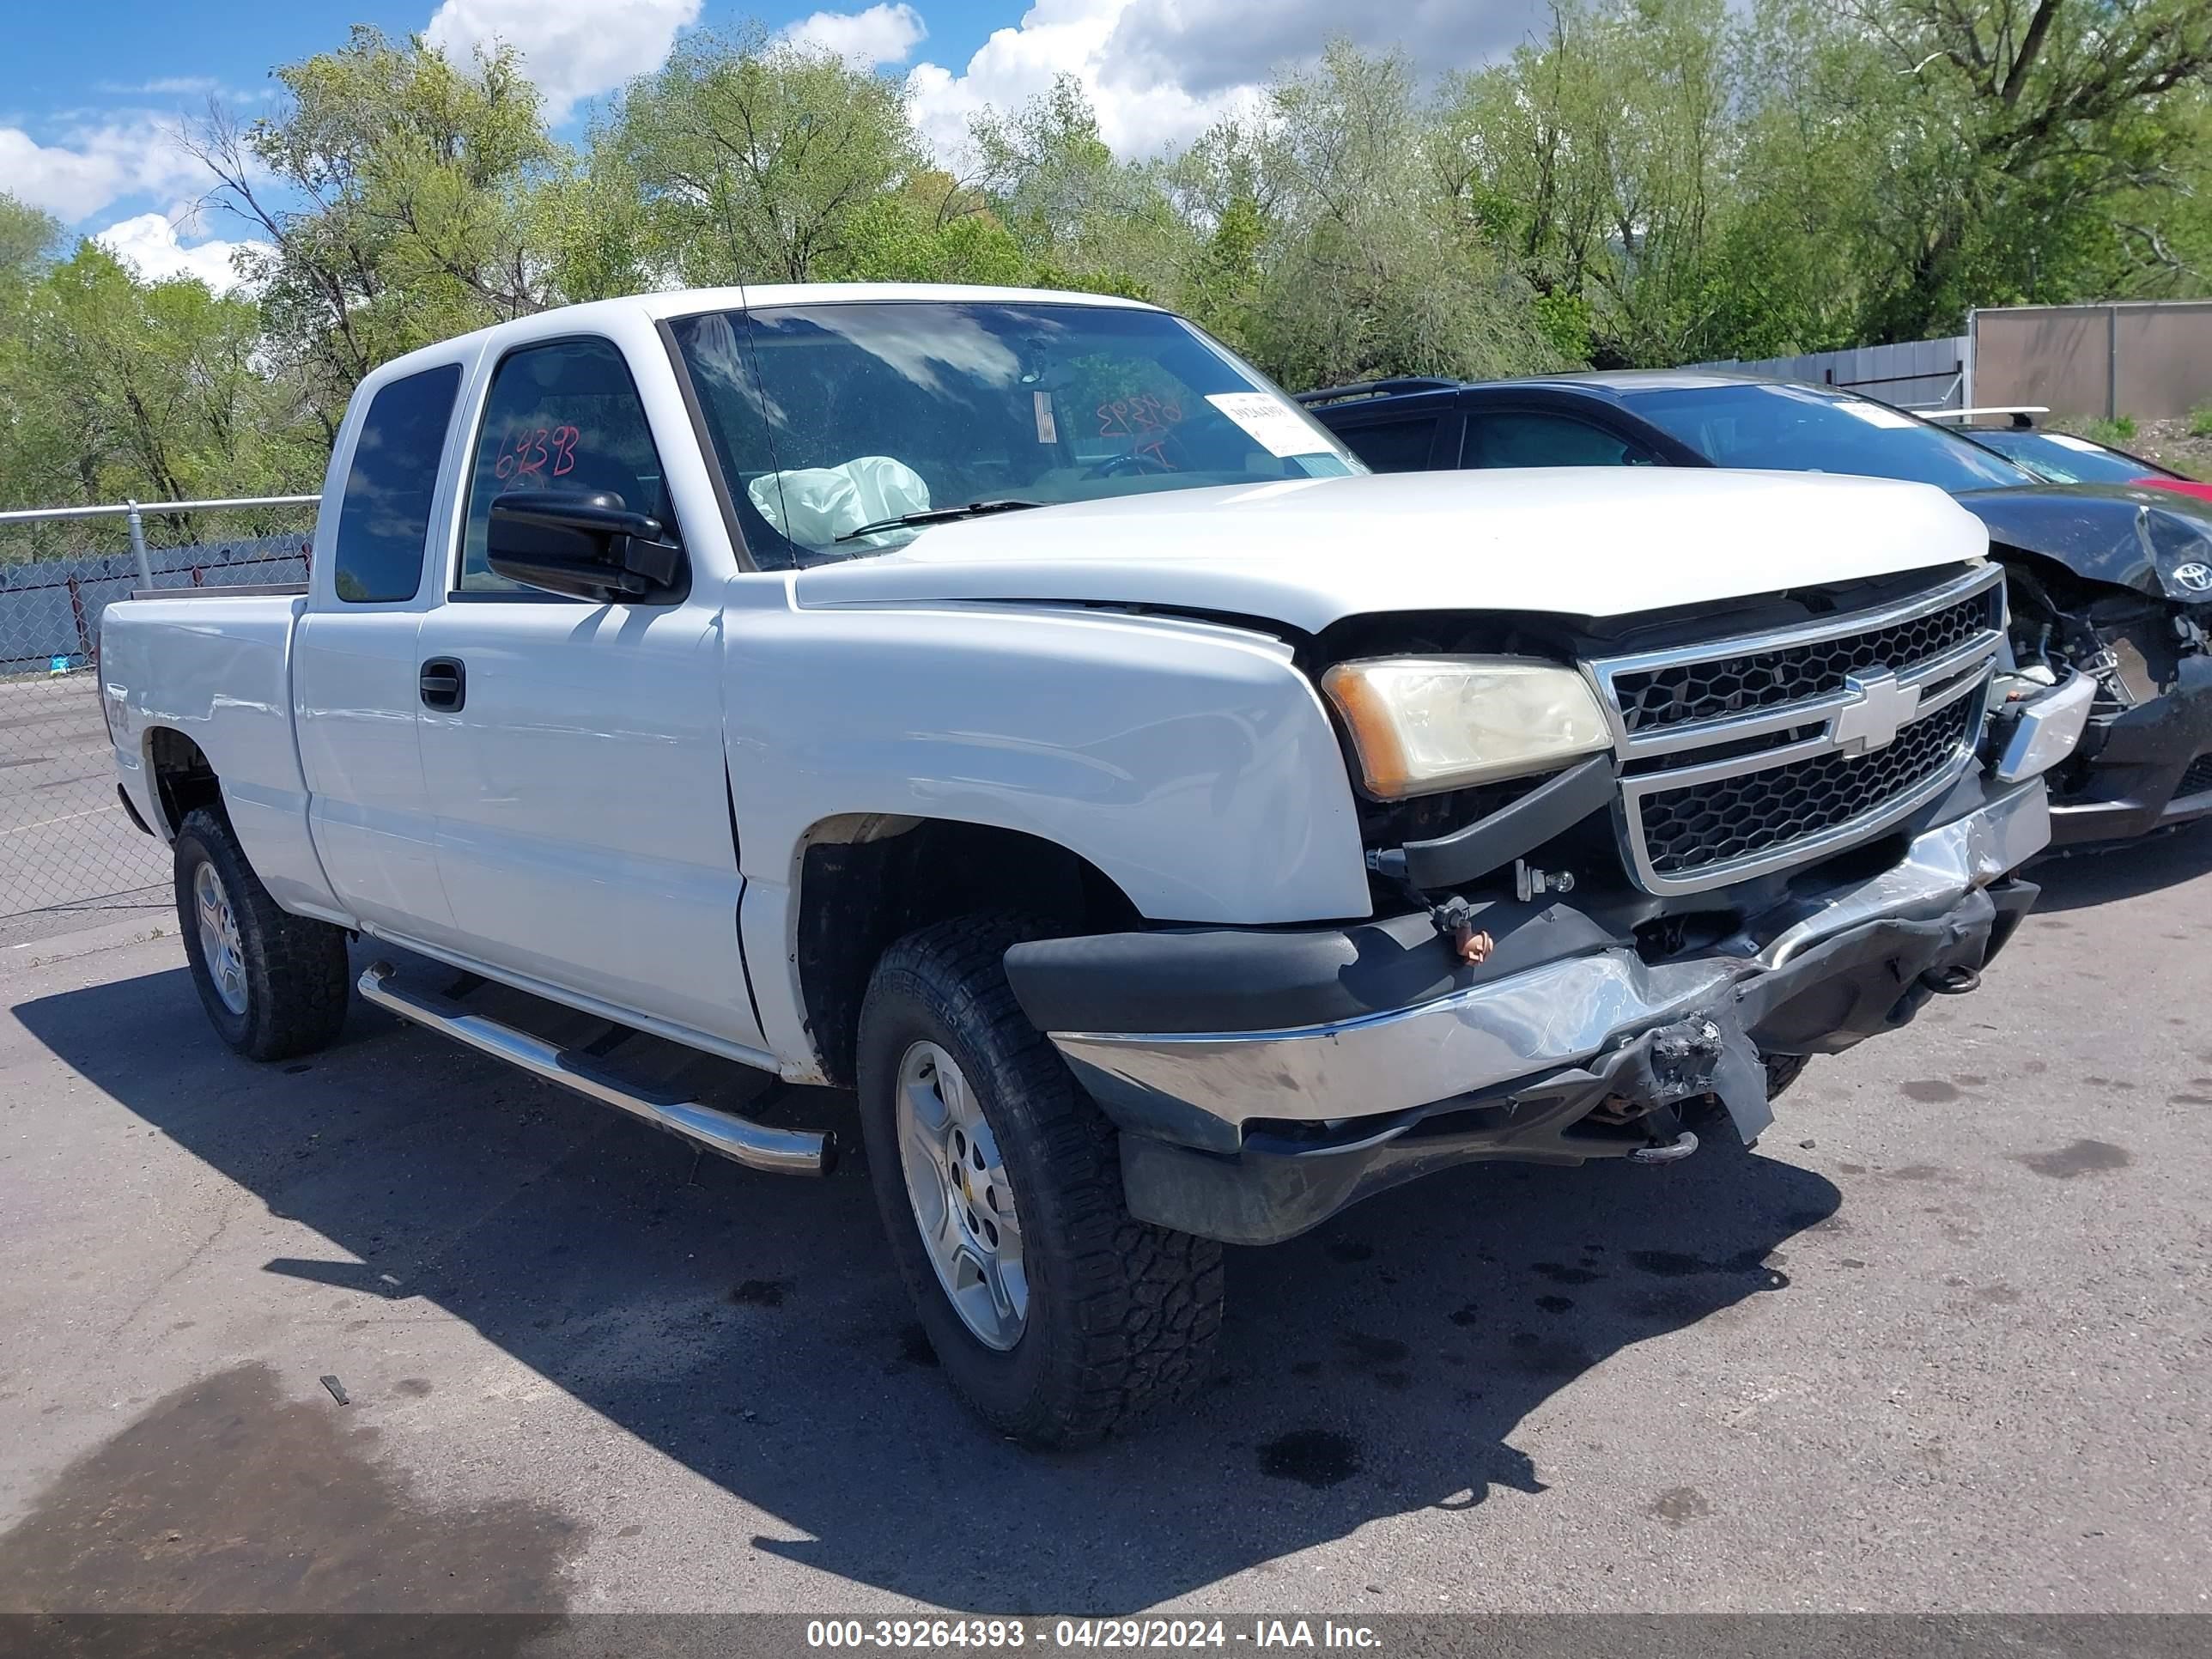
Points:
(95, 88)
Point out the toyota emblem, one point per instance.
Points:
(2195, 576)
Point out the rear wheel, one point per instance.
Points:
(1058, 1315)
(273, 984)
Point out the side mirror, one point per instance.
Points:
(588, 545)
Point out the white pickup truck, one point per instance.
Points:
(1010, 706)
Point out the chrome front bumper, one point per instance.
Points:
(1562, 1013)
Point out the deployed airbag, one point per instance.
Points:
(814, 506)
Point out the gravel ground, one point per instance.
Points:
(1939, 1342)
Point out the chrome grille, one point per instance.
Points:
(1749, 755)
(1708, 689)
(1738, 818)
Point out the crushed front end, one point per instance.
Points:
(2114, 582)
(2144, 760)
(1793, 842)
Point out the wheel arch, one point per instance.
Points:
(865, 880)
(183, 778)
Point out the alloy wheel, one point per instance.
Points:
(962, 1199)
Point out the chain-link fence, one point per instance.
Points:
(64, 843)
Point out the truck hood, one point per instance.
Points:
(2156, 541)
(1586, 542)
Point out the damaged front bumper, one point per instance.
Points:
(2148, 769)
(1263, 1081)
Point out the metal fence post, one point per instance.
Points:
(139, 544)
(2112, 363)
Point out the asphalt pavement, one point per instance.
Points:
(1942, 1340)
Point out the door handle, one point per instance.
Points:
(444, 683)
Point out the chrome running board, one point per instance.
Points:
(756, 1145)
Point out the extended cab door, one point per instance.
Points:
(573, 750)
(354, 660)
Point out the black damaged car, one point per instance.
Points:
(2111, 579)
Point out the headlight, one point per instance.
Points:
(1423, 723)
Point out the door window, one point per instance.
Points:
(383, 518)
(563, 416)
(1506, 438)
(1393, 445)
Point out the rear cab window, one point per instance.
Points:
(391, 481)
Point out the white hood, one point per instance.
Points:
(1584, 541)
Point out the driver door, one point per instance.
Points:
(572, 751)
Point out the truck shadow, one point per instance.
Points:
(751, 1329)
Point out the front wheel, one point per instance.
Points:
(1782, 1070)
(1057, 1315)
(274, 984)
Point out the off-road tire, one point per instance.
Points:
(296, 976)
(1123, 1314)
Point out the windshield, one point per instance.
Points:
(1801, 428)
(832, 422)
(2064, 459)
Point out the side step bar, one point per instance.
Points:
(756, 1145)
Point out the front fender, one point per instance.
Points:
(1191, 762)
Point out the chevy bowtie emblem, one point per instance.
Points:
(1878, 707)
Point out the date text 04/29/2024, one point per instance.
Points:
(1128, 1634)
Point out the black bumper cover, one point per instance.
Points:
(2136, 763)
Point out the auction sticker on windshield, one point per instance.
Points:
(1274, 427)
(1875, 415)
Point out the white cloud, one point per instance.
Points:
(573, 49)
(1208, 44)
(881, 34)
(149, 244)
(1158, 72)
(1138, 115)
(94, 166)
(166, 84)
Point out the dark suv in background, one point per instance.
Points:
(2113, 580)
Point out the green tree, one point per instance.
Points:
(2164, 225)
(119, 389)
(1082, 218)
(1369, 267)
(38, 455)
(758, 160)
(28, 236)
(1998, 137)
(1610, 164)
(395, 190)
(930, 229)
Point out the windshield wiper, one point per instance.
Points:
(936, 515)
